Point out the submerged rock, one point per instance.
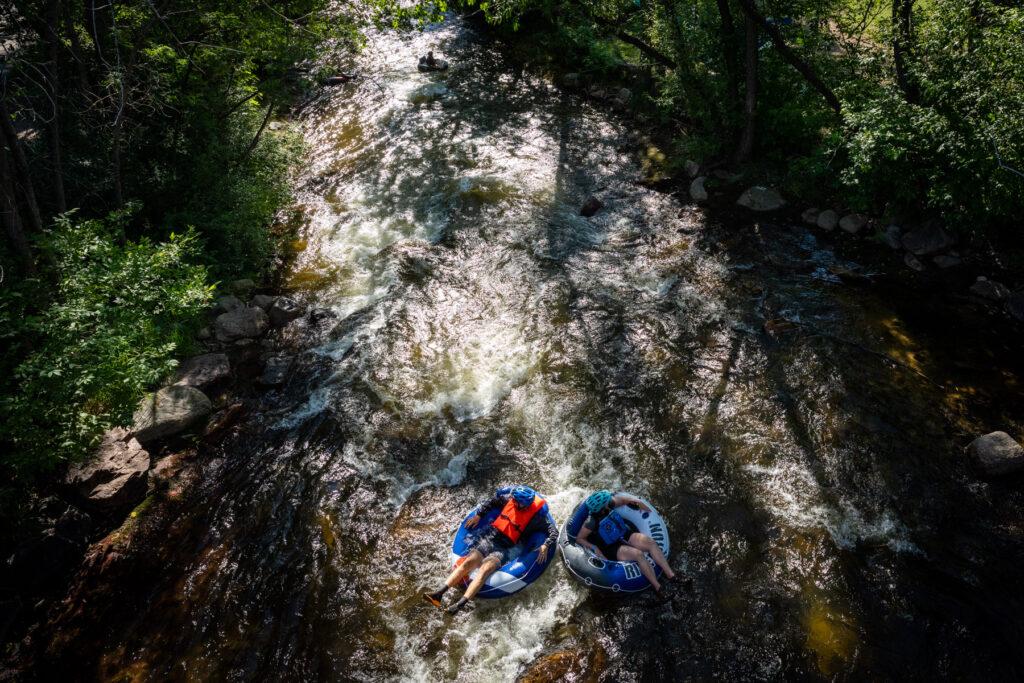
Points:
(989, 289)
(591, 206)
(115, 476)
(997, 454)
(204, 370)
(241, 323)
(760, 198)
(828, 220)
(284, 310)
(927, 240)
(169, 411)
(697, 191)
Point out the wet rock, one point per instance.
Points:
(912, 262)
(340, 79)
(947, 260)
(890, 237)
(241, 323)
(828, 220)
(853, 223)
(597, 92)
(204, 370)
(571, 80)
(997, 454)
(927, 240)
(989, 289)
(318, 315)
(263, 301)
(204, 333)
(169, 411)
(114, 476)
(810, 216)
(591, 206)
(1015, 305)
(276, 371)
(284, 310)
(226, 304)
(692, 168)
(697, 191)
(241, 288)
(166, 469)
(224, 419)
(760, 198)
(623, 96)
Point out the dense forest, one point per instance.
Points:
(140, 166)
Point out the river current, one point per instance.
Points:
(484, 333)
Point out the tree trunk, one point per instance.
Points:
(903, 48)
(115, 159)
(11, 218)
(77, 54)
(791, 57)
(746, 144)
(729, 48)
(53, 47)
(21, 170)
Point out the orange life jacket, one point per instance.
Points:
(513, 520)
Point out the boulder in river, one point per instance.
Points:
(204, 370)
(169, 411)
(759, 198)
(692, 168)
(810, 216)
(591, 206)
(697, 191)
(276, 371)
(241, 323)
(828, 220)
(263, 301)
(913, 262)
(989, 289)
(115, 475)
(997, 454)
(927, 240)
(226, 304)
(853, 223)
(284, 310)
(890, 237)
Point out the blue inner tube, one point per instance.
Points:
(519, 572)
(611, 575)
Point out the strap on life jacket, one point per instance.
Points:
(612, 528)
(512, 521)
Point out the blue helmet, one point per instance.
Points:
(596, 501)
(523, 495)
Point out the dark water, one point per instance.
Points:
(487, 334)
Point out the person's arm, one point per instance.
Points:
(622, 499)
(581, 540)
(495, 501)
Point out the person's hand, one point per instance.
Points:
(542, 554)
(472, 522)
(644, 506)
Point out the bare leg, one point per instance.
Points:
(647, 544)
(471, 562)
(489, 566)
(629, 554)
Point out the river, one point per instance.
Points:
(485, 333)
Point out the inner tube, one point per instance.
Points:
(611, 575)
(519, 572)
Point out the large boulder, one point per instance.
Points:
(853, 223)
(810, 216)
(169, 411)
(828, 220)
(997, 454)
(760, 198)
(928, 240)
(697, 191)
(115, 476)
(989, 289)
(226, 304)
(284, 310)
(692, 168)
(891, 237)
(263, 301)
(241, 323)
(204, 370)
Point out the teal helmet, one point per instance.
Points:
(523, 495)
(597, 501)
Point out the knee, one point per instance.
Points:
(643, 541)
(489, 566)
(631, 554)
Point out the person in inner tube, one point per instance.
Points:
(609, 536)
(523, 513)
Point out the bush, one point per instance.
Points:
(119, 315)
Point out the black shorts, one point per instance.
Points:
(490, 545)
(611, 550)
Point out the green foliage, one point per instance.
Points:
(118, 316)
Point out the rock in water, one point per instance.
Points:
(284, 310)
(591, 206)
(853, 223)
(226, 304)
(891, 237)
(115, 476)
(697, 191)
(204, 370)
(989, 289)
(759, 198)
(241, 323)
(276, 371)
(828, 220)
(810, 216)
(169, 411)
(997, 454)
(263, 301)
(692, 168)
(947, 260)
(928, 240)
(912, 262)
